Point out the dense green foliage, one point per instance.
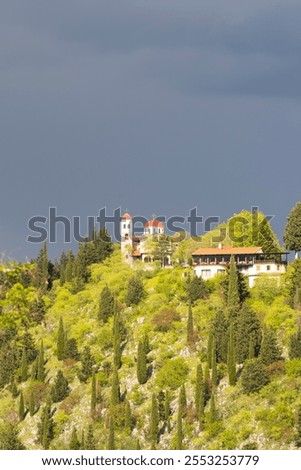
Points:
(292, 234)
(136, 375)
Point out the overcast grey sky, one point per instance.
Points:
(155, 106)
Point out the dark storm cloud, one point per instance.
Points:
(157, 105)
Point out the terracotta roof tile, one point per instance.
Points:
(228, 250)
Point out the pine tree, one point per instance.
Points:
(270, 351)
(154, 422)
(74, 443)
(115, 390)
(106, 305)
(61, 341)
(167, 411)
(87, 365)
(233, 300)
(24, 366)
(41, 364)
(209, 349)
(179, 442)
(141, 363)
(292, 233)
(214, 367)
(295, 345)
(46, 426)
(248, 326)
(231, 359)
(32, 406)
(41, 275)
(60, 389)
(195, 288)
(199, 387)
(9, 439)
(135, 291)
(254, 376)
(21, 407)
(90, 440)
(128, 421)
(93, 394)
(190, 332)
(111, 440)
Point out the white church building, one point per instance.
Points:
(134, 247)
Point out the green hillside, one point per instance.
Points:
(182, 338)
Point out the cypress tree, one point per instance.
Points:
(233, 299)
(34, 369)
(220, 333)
(146, 343)
(106, 305)
(21, 407)
(46, 426)
(298, 433)
(199, 388)
(83, 441)
(138, 446)
(87, 365)
(115, 390)
(71, 350)
(209, 349)
(41, 364)
(190, 332)
(74, 443)
(141, 363)
(231, 359)
(154, 422)
(207, 384)
(212, 412)
(269, 351)
(292, 233)
(183, 398)
(214, 367)
(32, 406)
(90, 440)
(93, 394)
(13, 388)
(9, 439)
(251, 354)
(111, 440)
(128, 422)
(60, 351)
(24, 366)
(167, 411)
(117, 350)
(179, 443)
(60, 388)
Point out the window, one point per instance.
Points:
(268, 267)
(129, 226)
(124, 225)
(206, 273)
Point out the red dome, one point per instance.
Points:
(126, 216)
(154, 223)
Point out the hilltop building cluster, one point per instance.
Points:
(207, 262)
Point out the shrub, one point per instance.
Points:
(163, 320)
(254, 376)
(293, 368)
(173, 373)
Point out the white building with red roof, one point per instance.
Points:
(134, 247)
(250, 261)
